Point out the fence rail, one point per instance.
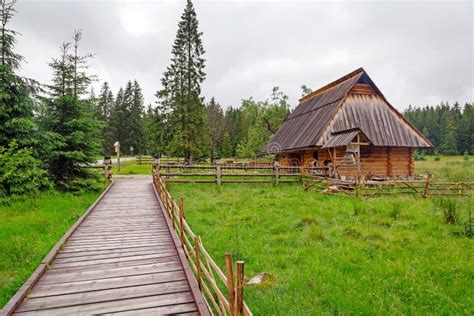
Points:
(220, 174)
(361, 187)
(223, 294)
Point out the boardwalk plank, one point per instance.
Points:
(117, 305)
(51, 277)
(121, 258)
(102, 296)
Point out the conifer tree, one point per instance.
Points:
(21, 172)
(69, 119)
(16, 104)
(103, 112)
(136, 132)
(179, 98)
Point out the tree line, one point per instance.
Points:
(50, 131)
(450, 128)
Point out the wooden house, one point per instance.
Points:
(349, 126)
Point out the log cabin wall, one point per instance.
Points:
(375, 161)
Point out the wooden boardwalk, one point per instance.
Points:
(121, 257)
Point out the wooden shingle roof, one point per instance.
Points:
(317, 112)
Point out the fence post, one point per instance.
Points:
(230, 282)
(363, 187)
(427, 186)
(218, 174)
(356, 186)
(239, 299)
(198, 261)
(277, 174)
(181, 220)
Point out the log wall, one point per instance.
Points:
(375, 161)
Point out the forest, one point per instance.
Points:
(50, 130)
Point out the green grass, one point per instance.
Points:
(28, 232)
(329, 254)
(130, 168)
(452, 168)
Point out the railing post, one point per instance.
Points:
(198, 261)
(363, 182)
(230, 282)
(427, 186)
(181, 219)
(276, 170)
(218, 174)
(239, 299)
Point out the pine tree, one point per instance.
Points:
(16, 104)
(118, 118)
(216, 122)
(70, 121)
(103, 112)
(21, 172)
(136, 133)
(180, 98)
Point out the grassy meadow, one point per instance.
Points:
(330, 254)
(28, 232)
(131, 168)
(452, 168)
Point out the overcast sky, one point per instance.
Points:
(416, 52)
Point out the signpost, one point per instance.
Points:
(117, 150)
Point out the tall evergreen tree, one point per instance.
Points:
(21, 172)
(16, 104)
(70, 120)
(180, 97)
(103, 113)
(136, 132)
(216, 123)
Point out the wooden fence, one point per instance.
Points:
(224, 295)
(362, 188)
(106, 168)
(220, 174)
(144, 160)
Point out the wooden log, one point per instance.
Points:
(181, 220)
(198, 262)
(239, 297)
(230, 282)
(218, 175)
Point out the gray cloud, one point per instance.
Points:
(417, 52)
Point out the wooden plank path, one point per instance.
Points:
(121, 258)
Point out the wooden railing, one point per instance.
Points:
(106, 168)
(223, 294)
(144, 160)
(220, 174)
(361, 187)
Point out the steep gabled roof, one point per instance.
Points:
(317, 110)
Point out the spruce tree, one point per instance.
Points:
(21, 172)
(216, 126)
(179, 98)
(103, 112)
(69, 119)
(16, 104)
(136, 132)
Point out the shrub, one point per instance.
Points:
(358, 207)
(449, 208)
(466, 156)
(22, 173)
(396, 210)
(437, 156)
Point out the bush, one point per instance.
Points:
(449, 208)
(22, 173)
(419, 157)
(466, 156)
(437, 155)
